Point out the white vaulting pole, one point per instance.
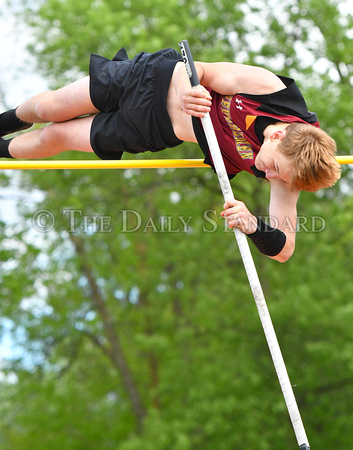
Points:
(249, 265)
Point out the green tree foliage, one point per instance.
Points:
(127, 296)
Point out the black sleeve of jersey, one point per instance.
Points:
(288, 101)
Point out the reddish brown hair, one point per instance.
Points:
(312, 152)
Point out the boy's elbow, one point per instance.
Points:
(285, 253)
(282, 258)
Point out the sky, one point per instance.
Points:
(18, 77)
(18, 81)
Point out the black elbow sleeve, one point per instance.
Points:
(268, 240)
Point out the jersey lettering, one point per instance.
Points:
(243, 147)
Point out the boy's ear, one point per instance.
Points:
(277, 135)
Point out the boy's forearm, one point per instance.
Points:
(193, 101)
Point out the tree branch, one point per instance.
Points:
(116, 353)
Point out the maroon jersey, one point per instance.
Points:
(239, 121)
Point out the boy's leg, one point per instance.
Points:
(53, 139)
(59, 106)
(64, 104)
(52, 106)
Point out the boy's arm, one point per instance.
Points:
(283, 215)
(224, 78)
(233, 78)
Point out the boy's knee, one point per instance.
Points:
(51, 139)
(45, 107)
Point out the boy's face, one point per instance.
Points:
(271, 161)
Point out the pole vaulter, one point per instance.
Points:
(249, 264)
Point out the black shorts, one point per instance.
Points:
(131, 96)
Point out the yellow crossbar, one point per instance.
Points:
(102, 164)
(116, 164)
(348, 159)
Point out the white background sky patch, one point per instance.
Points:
(18, 79)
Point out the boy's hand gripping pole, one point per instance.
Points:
(249, 264)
